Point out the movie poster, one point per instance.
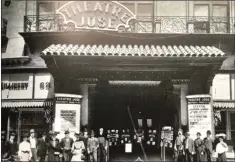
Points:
(67, 110)
(199, 114)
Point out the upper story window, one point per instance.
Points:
(46, 7)
(211, 17)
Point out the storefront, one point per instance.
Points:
(25, 99)
(125, 76)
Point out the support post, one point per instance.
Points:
(183, 105)
(84, 104)
(228, 125)
(8, 124)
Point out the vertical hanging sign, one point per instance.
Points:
(199, 114)
(67, 112)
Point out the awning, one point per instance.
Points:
(27, 104)
(224, 104)
(133, 50)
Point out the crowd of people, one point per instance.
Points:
(90, 147)
(200, 150)
(49, 148)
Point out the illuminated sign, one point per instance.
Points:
(99, 15)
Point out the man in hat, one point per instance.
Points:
(11, 147)
(208, 146)
(84, 138)
(178, 146)
(221, 149)
(33, 145)
(42, 148)
(189, 149)
(54, 148)
(66, 145)
(25, 153)
(92, 145)
(200, 148)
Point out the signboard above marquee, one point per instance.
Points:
(98, 15)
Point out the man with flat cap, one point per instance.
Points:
(189, 149)
(208, 146)
(66, 146)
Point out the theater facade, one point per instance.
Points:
(95, 51)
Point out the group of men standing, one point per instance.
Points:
(49, 148)
(199, 150)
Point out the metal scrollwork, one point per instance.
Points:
(143, 24)
(173, 25)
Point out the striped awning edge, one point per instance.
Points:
(26, 104)
(224, 105)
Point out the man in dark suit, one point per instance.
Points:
(189, 148)
(208, 141)
(42, 148)
(66, 146)
(54, 148)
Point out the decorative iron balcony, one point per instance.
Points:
(159, 24)
(4, 27)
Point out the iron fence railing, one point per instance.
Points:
(144, 24)
(4, 27)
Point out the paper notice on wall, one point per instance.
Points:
(140, 122)
(67, 112)
(128, 147)
(149, 122)
(199, 114)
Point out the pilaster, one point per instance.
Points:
(183, 105)
(84, 105)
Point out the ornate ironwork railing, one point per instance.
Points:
(145, 24)
(4, 27)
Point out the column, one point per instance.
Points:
(84, 105)
(228, 125)
(183, 107)
(212, 112)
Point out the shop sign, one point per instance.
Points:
(17, 86)
(44, 86)
(99, 15)
(199, 114)
(67, 113)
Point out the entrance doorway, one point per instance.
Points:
(145, 103)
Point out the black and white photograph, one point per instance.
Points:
(117, 81)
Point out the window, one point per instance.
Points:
(130, 6)
(201, 15)
(46, 7)
(219, 19)
(144, 9)
(144, 16)
(221, 127)
(211, 17)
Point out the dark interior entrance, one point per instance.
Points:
(110, 108)
(109, 105)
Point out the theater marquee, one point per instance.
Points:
(99, 15)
